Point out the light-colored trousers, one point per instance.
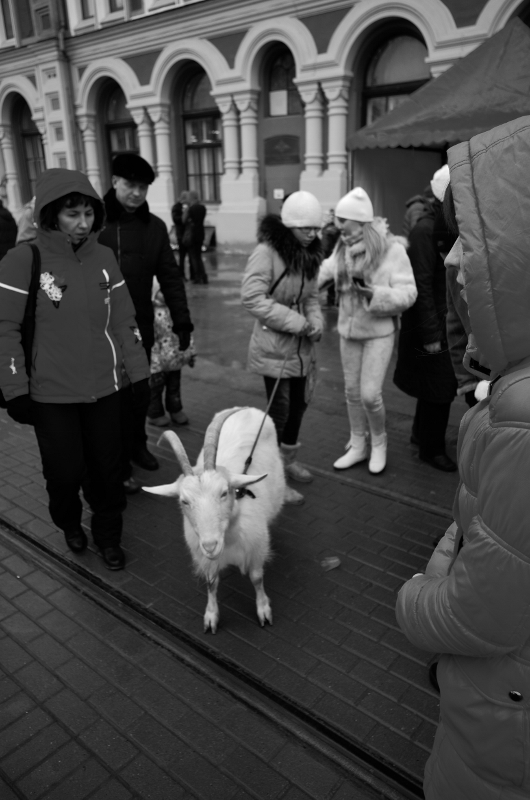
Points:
(365, 362)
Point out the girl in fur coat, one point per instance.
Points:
(280, 290)
(375, 284)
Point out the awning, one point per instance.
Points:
(489, 86)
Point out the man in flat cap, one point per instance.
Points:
(140, 242)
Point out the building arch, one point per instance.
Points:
(431, 17)
(286, 30)
(496, 13)
(96, 74)
(19, 85)
(200, 51)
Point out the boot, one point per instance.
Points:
(292, 497)
(377, 461)
(292, 468)
(173, 398)
(155, 412)
(356, 451)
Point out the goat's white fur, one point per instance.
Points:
(220, 530)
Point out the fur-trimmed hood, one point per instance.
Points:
(296, 258)
(114, 208)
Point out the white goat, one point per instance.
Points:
(224, 525)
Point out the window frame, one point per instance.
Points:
(216, 148)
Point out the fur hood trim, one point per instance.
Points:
(115, 209)
(282, 240)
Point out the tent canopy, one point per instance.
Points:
(489, 86)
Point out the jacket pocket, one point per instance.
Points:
(486, 727)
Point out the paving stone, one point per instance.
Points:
(80, 677)
(11, 586)
(256, 775)
(52, 771)
(12, 656)
(17, 566)
(261, 737)
(150, 782)
(22, 730)
(116, 707)
(112, 790)
(81, 784)
(7, 687)
(6, 608)
(41, 582)
(32, 604)
(49, 651)
(105, 741)
(40, 747)
(21, 628)
(314, 778)
(38, 681)
(6, 793)
(72, 712)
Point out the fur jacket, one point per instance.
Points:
(391, 281)
(280, 290)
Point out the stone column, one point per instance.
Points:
(87, 126)
(144, 129)
(247, 103)
(337, 91)
(40, 123)
(314, 114)
(230, 122)
(162, 192)
(14, 194)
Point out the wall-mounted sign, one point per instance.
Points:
(278, 194)
(282, 150)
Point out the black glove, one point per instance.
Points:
(184, 339)
(141, 393)
(21, 409)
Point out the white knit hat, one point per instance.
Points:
(302, 210)
(355, 205)
(440, 182)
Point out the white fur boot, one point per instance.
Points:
(292, 467)
(292, 497)
(377, 461)
(356, 451)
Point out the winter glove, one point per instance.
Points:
(141, 394)
(21, 409)
(184, 339)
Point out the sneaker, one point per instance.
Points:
(160, 422)
(179, 418)
(292, 497)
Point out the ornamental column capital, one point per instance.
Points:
(336, 89)
(247, 101)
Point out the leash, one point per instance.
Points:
(243, 491)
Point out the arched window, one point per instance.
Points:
(202, 137)
(283, 97)
(31, 150)
(120, 126)
(396, 70)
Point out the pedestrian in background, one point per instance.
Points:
(374, 283)
(280, 290)
(8, 230)
(472, 605)
(85, 330)
(27, 229)
(424, 369)
(180, 207)
(140, 242)
(193, 237)
(167, 360)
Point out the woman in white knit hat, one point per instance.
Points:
(374, 282)
(280, 290)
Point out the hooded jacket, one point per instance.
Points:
(140, 242)
(85, 328)
(8, 230)
(473, 602)
(391, 280)
(280, 289)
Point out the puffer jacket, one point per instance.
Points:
(84, 320)
(392, 283)
(280, 289)
(472, 605)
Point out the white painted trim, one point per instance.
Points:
(115, 68)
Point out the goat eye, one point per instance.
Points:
(224, 494)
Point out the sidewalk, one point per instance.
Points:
(91, 707)
(334, 655)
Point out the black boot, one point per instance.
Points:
(155, 413)
(173, 398)
(76, 539)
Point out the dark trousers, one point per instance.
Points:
(81, 442)
(288, 407)
(429, 427)
(133, 433)
(197, 271)
(170, 381)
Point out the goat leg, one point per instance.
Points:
(211, 615)
(263, 605)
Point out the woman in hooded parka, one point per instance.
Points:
(280, 290)
(85, 331)
(472, 604)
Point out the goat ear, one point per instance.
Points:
(238, 481)
(167, 490)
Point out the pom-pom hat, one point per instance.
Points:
(356, 205)
(440, 182)
(133, 168)
(302, 210)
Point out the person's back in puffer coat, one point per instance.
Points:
(277, 291)
(140, 242)
(472, 605)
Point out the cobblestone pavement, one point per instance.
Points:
(334, 654)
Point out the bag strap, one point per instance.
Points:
(35, 278)
(28, 323)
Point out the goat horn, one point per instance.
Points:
(211, 437)
(179, 450)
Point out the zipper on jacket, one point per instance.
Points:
(107, 278)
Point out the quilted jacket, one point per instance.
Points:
(472, 605)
